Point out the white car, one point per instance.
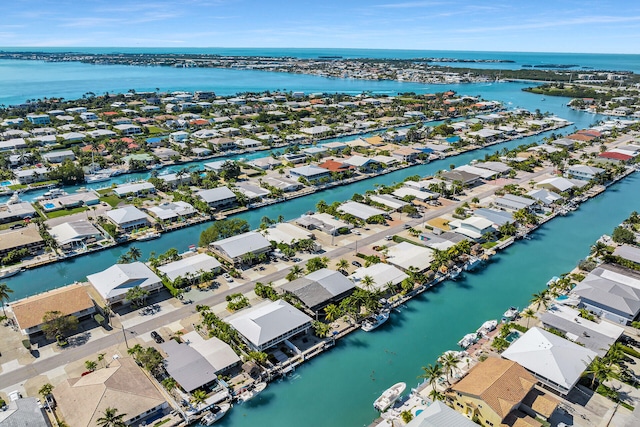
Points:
(14, 395)
(227, 277)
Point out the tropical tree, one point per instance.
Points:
(321, 329)
(45, 390)
(169, 383)
(316, 263)
(342, 265)
(332, 312)
(111, 418)
(295, 272)
(432, 373)
(91, 365)
(137, 295)
(5, 290)
(368, 282)
(529, 314)
(540, 299)
(436, 395)
(601, 371)
(56, 324)
(599, 249)
(449, 362)
(134, 253)
(198, 397)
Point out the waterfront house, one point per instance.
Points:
(323, 221)
(611, 292)
(310, 172)
(113, 283)
(121, 385)
(361, 163)
(465, 178)
(614, 157)
(318, 289)
(406, 154)
(216, 166)
(474, 227)
(283, 184)
(71, 300)
(173, 211)
(128, 218)
(594, 336)
(265, 163)
(560, 184)
(23, 238)
(135, 189)
(316, 131)
(497, 217)
(29, 176)
(128, 129)
(75, 234)
(195, 362)
(286, 233)
(223, 144)
(499, 167)
(564, 143)
(500, 392)
(486, 136)
(545, 197)
(294, 158)
(556, 362)
(388, 201)
(511, 202)
(248, 143)
(583, 172)
(218, 198)
(39, 119)
(190, 267)
(405, 255)
(241, 248)
(414, 193)
(269, 323)
(360, 210)
(438, 414)
(251, 191)
(381, 273)
(174, 180)
(628, 252)
(16, 211)
(24, 412)
(482, 172)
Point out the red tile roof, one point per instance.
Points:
(581, 137)
(334, 166)
(615, 156)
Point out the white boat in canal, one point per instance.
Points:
(97, 177)
(455, 273)
(148, 236)
(510, 314)
(252, 392)
(472, 263)
(389, 396)
(372, 323)
(215, 414)
(10, 271)
(468, 340)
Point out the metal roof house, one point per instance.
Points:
(269, 323)
(320, 288)
(310, 172)
(235, 248)
(190, 267)
(545, 197)
(439, 414)
(25, 412)
(513, 202)
(219, 197)
(556, 362)
(583, 172)
(128, 218)
(381, 273)
(173, 211)
(473, 227)
(75, 234)
(360, 210)
(114, 282)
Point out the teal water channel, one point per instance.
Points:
(339, 387)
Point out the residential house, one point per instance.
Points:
(113, 283)
(173, 211)
(39, 119)
(190, 267)
(318, 289)
(584, 172)
(242, 248)
(474, 227)
(310, 172)
(128, 218)
(381, 273)
(218, 198)
(75, 234)
(360, 210)
(134, 189)
(23, 238)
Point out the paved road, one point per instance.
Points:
(93, 347)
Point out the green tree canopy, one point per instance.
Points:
(55, 324)
(223, 229)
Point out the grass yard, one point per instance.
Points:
(65, 212)
(112, 200)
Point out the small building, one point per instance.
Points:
(128, 218)
(71, 300)
(75, 234)
(29, 176)
(286, 233)
(310, 172)
(556, 362)
(465, 178)
(583, 172)
(545, 197)
(121, 385)
(324, 222)
(16, 211)
(318, 289)
(251, 191)
(388, 201)
(512, 202)
(58, 156)
(23, 238)
(113, 283)
(236, 248)
(360, 210)
(438, 414)
(381, 273)
(495, 390)
(414, 193)
(628, 252)
(405, 255)
(474, 227)
(24, 412)
(560, 184)
(269, 323)
(195, 362)
(190, 267)
(173, 211)
(39, 119)
(218, 198)
(135, 189)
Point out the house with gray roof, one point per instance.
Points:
(438, 414)
(360, 210)
(195, 362)
(59, 156)
(114, 282)
(612, 292)
(190, 267)
(381, 273)
(24, 412)
(388, 201)
(545, 197)
(628, 252)
(465, 178)
(499, 167)
(269, 323)
(252, 191)
(584, 172)
(128, 218)
(134, 189)
(236, 248)
(173, 211)
(218, 198)
(318, 289)
(514, 203)
(310, 172)
(498, 218)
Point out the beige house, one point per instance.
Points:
(122, 385)
(499, 392)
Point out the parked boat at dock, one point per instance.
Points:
(148, 236)
(10, 271)
(216, 413)
(473, 263)
(468, 340)
(454, 273)
(389, 396)
(372, 323)
(252, 392)
(510, 314)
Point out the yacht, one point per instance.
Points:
(148, 236)
(454, 273)
(217, 412)
(97, 177)
(472, 263)
(371, 323)
(10, 271)
(389, 396)
(15, 198)
(510, 314)
(252, 392)
(468, 340)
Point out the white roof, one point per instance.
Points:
(559, 183)
(309, 171)
(438, 414)
(126, 214)
(545, 196)
(216, 194)
(241, 244)
(124, 189)
(483, 172)
(287, 233)
(218, 353)
(118, 279)
(173, 210)
(550, 356)
(267, 321)
(190, 266)
(358, 161)
(381, 274)
(72, 231)
(405, 255)
(418, 194)
(360, 210)
(388, 201)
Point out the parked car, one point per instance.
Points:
(14, 395)
(156, 337)
(356, 263)
(388, 237)
(227, 277)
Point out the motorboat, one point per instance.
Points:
(472, 263)
(252, 392)
(148, 236)
(54, 193)
(373, 322)
(487, 327)
(389, 396)
(510, 314)
(97, 177)
(15, 198)
(454, 273)
(468, 340)
(10, 271)
(215, 414)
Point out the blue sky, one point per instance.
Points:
(606, 26)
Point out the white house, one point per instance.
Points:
(217, 198)
(583, 172)
(474, 227)
(190, 267)
(128, 218)
(113, 283)
(234, 249)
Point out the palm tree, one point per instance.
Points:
(90, 365)
(45, 390)
(368, 282)
(342, 265)
(5, 290)
(332, 312)
(598, 249)
(529, 314)
(601, 371)
(198, 397)
(111, 418)
(540, 299)
(449, 362)
(432, 373)
(436, 395)
(134, 253)
(294, 273)
(615, 354)
(169, 384)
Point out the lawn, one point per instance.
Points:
(153, 130)
(65, 212)
(112, 200)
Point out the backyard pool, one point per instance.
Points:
(49, 206)
(5, 183)
(512, 336)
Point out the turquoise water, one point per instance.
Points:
(512, 336)
(49, 206)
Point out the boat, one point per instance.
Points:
(371, 323)
(454, 272)
(10, 271)
(553, 280)
(97, 177)
(54, 193)
(389, 396)
(468, 340)
(148, 236)
(215, 414)
(510, 314)
(472, 263)
(252, 392)
(487, 327)
(15, 198)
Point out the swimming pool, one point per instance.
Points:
(49, 206)
(512, 336)
(562, 298)
(5, 183)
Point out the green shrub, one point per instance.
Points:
(26, 344)
(630, 351)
